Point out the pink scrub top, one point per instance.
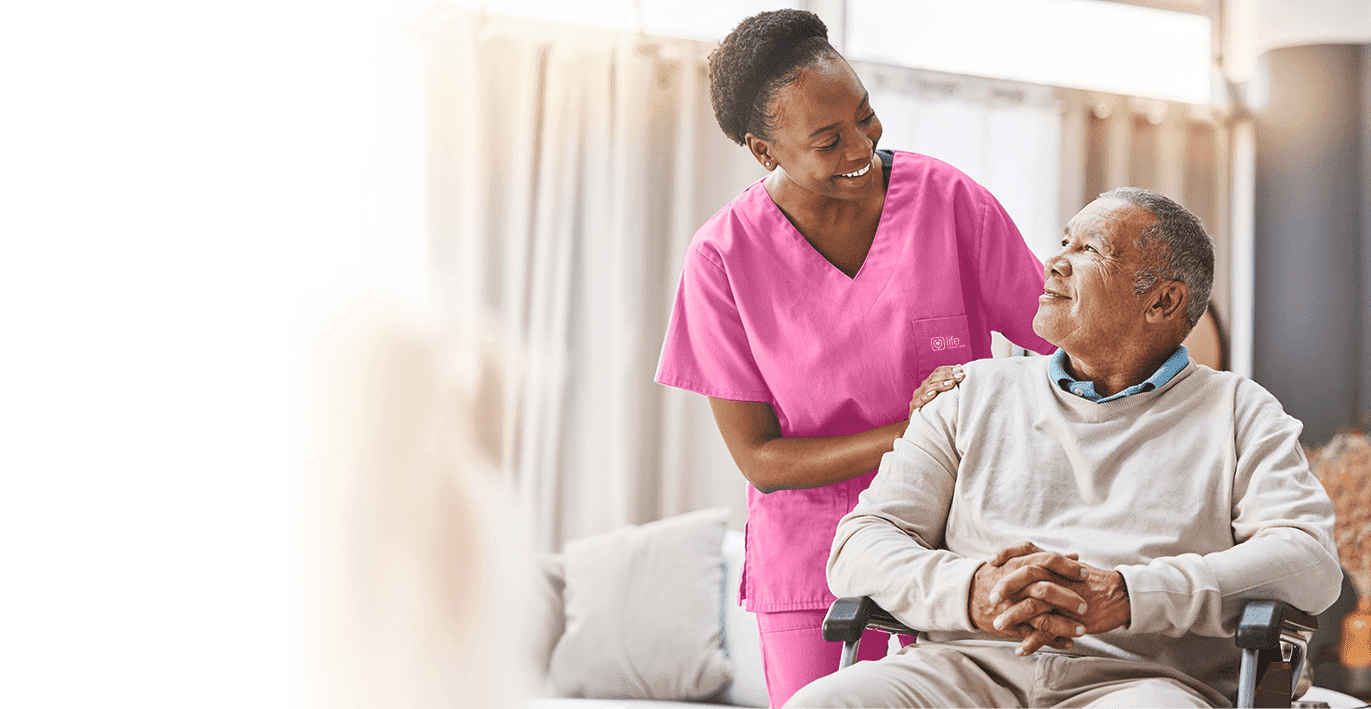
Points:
(761, 316)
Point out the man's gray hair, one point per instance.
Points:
(1186, 253)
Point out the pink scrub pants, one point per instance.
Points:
(794, 652)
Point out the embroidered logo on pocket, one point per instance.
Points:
(939, 341)
(942, 343)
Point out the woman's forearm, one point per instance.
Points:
(795, 463)
(773, 462)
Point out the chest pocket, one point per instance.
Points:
(941, 341)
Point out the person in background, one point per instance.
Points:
(816, 303)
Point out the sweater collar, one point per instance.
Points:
(1056, 370)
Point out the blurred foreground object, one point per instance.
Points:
(417, 545)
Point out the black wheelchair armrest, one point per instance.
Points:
(1266, 678)
(849, 617)
(1262, 622)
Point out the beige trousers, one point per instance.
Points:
(937, 675)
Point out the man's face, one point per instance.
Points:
(1088, 307)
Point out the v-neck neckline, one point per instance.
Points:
(876, 239)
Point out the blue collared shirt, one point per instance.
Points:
(1056, 368)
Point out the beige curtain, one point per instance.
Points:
(569, 170)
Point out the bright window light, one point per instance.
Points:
(1086, 44)
(708, 20)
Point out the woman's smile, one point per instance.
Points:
(860, 172)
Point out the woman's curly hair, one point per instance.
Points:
(762, 54)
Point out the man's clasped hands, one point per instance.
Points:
(1044, 598)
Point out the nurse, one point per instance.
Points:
(812, 305)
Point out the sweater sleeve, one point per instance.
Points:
(887, 547)
(1282, 528)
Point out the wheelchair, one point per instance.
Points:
(1274, 638)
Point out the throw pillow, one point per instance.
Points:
(644, 612)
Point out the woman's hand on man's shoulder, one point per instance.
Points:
(939, 380)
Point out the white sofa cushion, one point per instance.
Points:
(644, 612)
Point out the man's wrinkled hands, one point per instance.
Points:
(1023, 583)
(1107, 605)
(1043, 598)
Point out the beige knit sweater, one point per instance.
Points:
(1197, 492)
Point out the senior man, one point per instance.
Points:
(1082, 529)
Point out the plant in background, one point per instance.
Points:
(1344, 468)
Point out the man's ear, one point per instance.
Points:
(1167, 301)
(761, 150)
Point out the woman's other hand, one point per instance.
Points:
(939, 381)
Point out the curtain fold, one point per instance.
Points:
(569, 173)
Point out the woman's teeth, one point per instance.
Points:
(858, 173)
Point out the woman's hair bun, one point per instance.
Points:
(759, 56)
